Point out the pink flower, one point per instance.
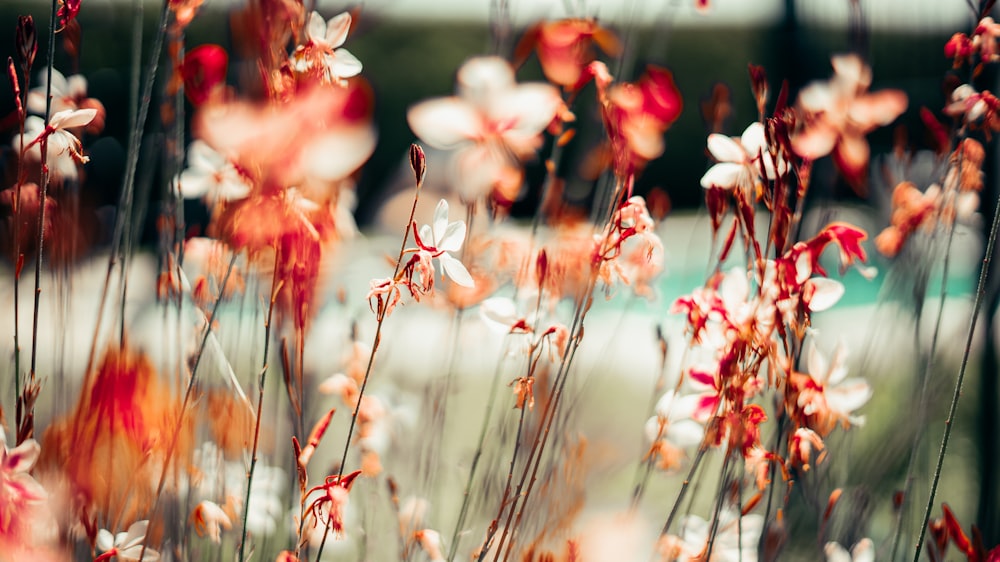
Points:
(17, 488)
(321, 49)
(840, 112)
(495, 122)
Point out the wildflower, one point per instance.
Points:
(430, 543)
(801, 445)
(636, 116)
(126, 546)
(17, 488)
(826, 396)
(211, 175)
(672, 430)
(321, 49)
(495, 122)
(863, 551)
(68, 94)
(740, 160)
(840, 112)
(441, 237)
(209, 519)
(64, 150)
(332, 500)
(736, 538)
(565, 47)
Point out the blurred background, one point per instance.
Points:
(411, 49)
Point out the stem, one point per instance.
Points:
(375, 343)
(187, 399)
(922, 404)
(275, 287)
(949, 422)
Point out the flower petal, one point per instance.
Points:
(440, 222)
(316, 28)
(68, 119)
(754, 140)
(453, 237)
(337, 28)
(455, 271)
(725, 149)
(445, 122)
(826, 293)
(22, 457)
(481, 80)
(343, 64)
(724, 175)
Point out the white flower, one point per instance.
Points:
(323, 40)
(494, 121)
(441, 237)
(735, 539)
(834, 396)
(66, 92)
(211, 175)
(739, 159)
(127, 546)
(63, 150)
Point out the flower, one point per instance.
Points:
(565, 47)
(321, 49)
(442, 237)
(740, 159)
(863, 551)
(735, 539)
(17, 488)
(827, 396)
(209, 519)
(63, 149)
(495, 122)
(840, 112)
(211, 175)
(127, 546)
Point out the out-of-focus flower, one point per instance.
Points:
(838, 113)
(211, 175)
(565, 47)
(127, 546)
(740, 160)
(863, 551)
(441, 237)
(203, 72)
(209, 519)
(495, 122)
(321, 50)
(636, 116)
(736, 539)
(430, 542)
(826, 396)
(672, 430)
(68, 93)
(320, 133)
(17, 488)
